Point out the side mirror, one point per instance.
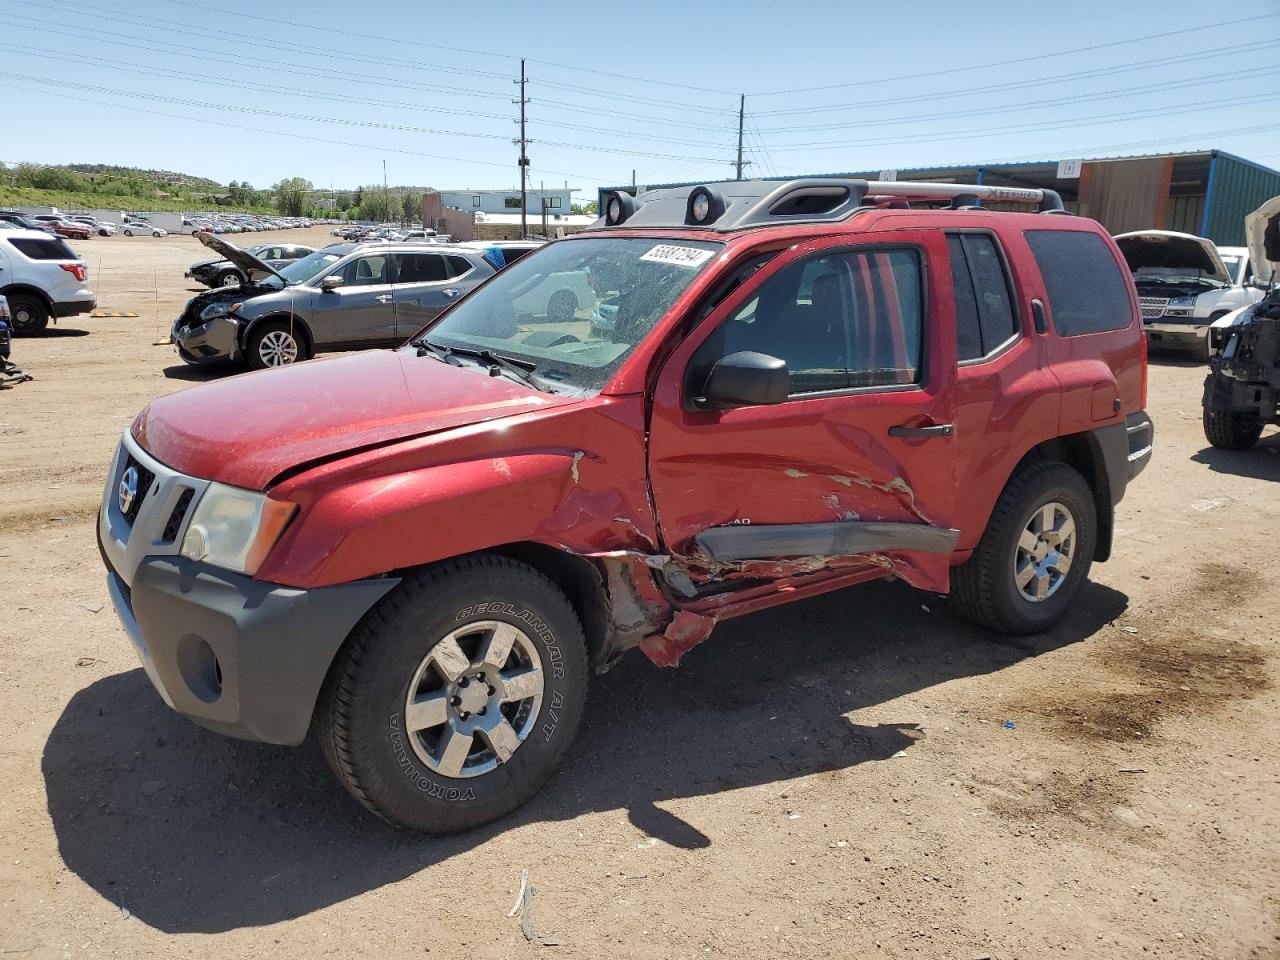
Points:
(746, 379)
(331, 282)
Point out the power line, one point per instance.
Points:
(1025, 105)
(484, 53)
(1136, 65)
(291, 135)
(1031, 59)
(982, 132)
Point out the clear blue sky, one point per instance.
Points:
(216, 90)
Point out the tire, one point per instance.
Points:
(459, 604)
(228, 278)
(1231, 430)
(29, 315)
(985, 589)
(276, 343)
(128, 233)
(562, 306)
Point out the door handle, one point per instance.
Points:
(451, 291)
(936, 430)
(385, 298)
(1037, 315)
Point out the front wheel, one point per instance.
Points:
(228, 278)
(1035, 553)
(1231, 430)
(276, 344)
(457, 697)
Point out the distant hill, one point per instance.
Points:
(169, 177)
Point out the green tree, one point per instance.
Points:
(410, 206)
(292, 196)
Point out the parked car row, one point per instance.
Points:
(244, 223)
(387, 232)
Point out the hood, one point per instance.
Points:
(1262, 228)
(208, 263)
(253, 268)
(248, 429)
(1173, 251)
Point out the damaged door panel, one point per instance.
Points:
(856, 461)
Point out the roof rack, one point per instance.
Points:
(755, 203)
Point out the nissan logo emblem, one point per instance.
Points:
(128, 491)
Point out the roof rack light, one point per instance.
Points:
(964, 193)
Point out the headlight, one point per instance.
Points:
(235, 528)
(215, 310)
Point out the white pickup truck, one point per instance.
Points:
(1184, 284)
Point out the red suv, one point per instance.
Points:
(795, 387)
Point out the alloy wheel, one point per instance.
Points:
(1045, 550)
(278, 348)
(474, 699)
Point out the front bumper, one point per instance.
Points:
(237, 655)
(211, 342)
(1187, 334)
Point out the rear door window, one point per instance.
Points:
(1087, 292)
(422, 268)
(985, 318)
(459, 265)
(43, 249)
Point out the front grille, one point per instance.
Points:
(146, 479)
(1153, 307)
(177, 516)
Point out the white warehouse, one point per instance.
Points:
(508, 201)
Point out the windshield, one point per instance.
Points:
(574, 309)
(300, 271)
(1232, 263)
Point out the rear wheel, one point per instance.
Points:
(276, 344)
(1035, 553)
(1231, 430)
(29, 314)
(458, 695)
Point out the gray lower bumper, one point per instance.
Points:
(234, 654)
(211, 342)
(1190, 333)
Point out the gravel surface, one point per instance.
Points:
(861, 775)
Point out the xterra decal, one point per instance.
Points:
(415, 776)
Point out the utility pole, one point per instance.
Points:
(524, 161)
(542, 194)
(742, 109)
(386, 197)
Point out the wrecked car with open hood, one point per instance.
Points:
(1183, 287)
(346, 296)
(1242, 390)
(802, 386)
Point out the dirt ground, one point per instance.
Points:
(861, 775)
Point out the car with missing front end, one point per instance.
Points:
(422, 554)
(346, 296)
(1242, 390)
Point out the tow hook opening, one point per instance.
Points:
(201, 670)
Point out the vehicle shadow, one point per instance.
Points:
(1165, 357)
(193, 832)
(53, 332)
(185, 371)
(1262, 462)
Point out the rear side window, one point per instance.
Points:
(42, 249)
(984, 306)
(422, 268)
(458, 265)
(1087, 292)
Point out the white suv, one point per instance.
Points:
(42, 278)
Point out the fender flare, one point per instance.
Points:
(26, 288)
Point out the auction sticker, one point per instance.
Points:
(680, 256)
